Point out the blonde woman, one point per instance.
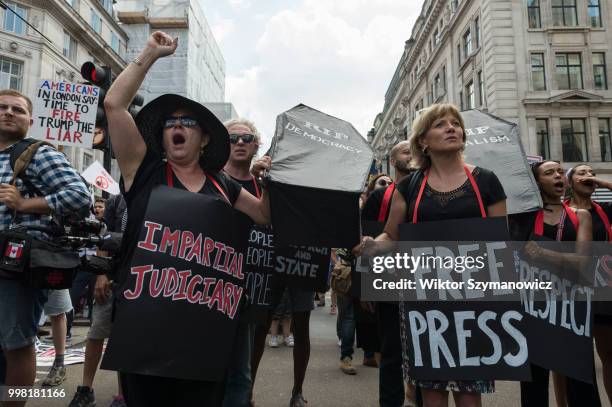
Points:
(447, 188)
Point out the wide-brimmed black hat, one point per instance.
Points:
(150, 123)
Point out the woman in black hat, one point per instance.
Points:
(173, 142)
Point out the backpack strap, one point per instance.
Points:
(20, 157)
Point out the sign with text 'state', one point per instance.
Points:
(65, 113)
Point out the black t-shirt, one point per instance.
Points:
(372, 205)
(152, 172)
(599, 227)
(457, 204)
(249, 185)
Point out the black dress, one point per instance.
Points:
(456, 204)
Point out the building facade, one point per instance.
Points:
(197, 68)
(76, 31)
(539, 63)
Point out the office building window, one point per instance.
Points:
(574, 140)
(477, 32)
(459, 55)
(13, 23)
(599, 71)
(605, 143)
(543, 139)
(461, 105)
(115, 43)
(96, 22)
(569, 71)
(564, 12)
(480, 89)
(70, 47)
(594, 13)
(469, 96)
(538, 73)
(11, 74)
(467, 44)
(533, 13)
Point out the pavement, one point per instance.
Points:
(325, 384)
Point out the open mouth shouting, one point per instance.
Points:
(178, 139)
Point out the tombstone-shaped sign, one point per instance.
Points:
(319, 166)
(495, 144)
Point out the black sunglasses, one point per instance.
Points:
(383, 182)
(185, 121)
(246, 138)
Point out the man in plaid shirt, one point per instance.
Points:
(63, 193)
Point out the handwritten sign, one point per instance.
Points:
(65, 113)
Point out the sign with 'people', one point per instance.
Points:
(65, 113)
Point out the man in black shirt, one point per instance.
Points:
(245, 141)
(391, 384)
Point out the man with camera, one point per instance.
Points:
(60, 191)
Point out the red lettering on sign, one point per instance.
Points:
(140, 272)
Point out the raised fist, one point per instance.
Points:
(162, 44)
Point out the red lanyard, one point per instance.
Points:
(604, 218)
(170, 181)
(538, 228)
(483, 213)
(384, 207)
(257, 192)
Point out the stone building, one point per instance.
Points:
(539, 63)
(76, 31)
(197, 68)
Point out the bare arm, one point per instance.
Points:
(128, 144)
(256, 209)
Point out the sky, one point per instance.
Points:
(337, 56)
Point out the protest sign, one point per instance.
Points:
(185, 281)
(449, 338)
(302, 266)
(65, 113)
(320, 164)
(96, 175)
(259, 272)
(564, 313)
(495, 144)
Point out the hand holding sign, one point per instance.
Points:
(261, 166)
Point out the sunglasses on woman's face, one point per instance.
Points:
(185, 121)
(383, 182)
(246, 138)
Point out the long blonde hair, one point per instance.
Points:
(421, 126)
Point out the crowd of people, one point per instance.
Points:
(174, 144)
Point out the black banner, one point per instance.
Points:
(259, 272)
(183, 290)
(303, 267)
(455, 340)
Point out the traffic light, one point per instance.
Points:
(100, 76)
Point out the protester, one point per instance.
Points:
(62, 192)
(448, 188)
(281, 319)
(377, 209)
(379, 181)
(244, 144)
(582, 182)
(115, 217)
(302, 303)
(57, 305)
(196, 146)
(98, 208)
(556, 224)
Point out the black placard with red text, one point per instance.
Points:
(183, 290)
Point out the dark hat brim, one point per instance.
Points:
(150, 124)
